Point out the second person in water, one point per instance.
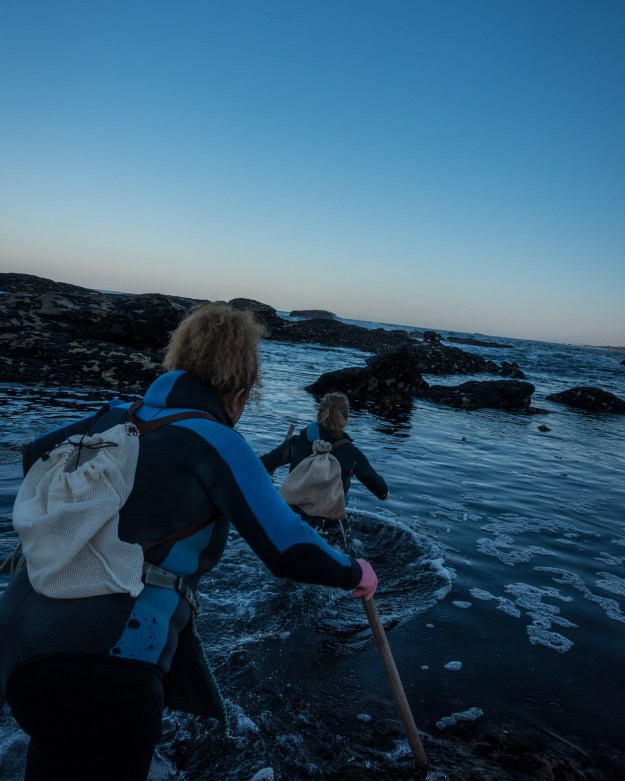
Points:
(332, 418)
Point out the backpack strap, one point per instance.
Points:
(340, 443)
(151, 425)
(145, 427)
(188, 531)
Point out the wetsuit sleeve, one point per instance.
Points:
(288, 546)
(44, 443)
(279, 456)
(368, 476)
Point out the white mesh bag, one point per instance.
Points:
(315, 484)
(67, 515)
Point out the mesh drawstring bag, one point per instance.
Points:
(67, 515)
(315, 484)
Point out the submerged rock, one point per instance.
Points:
(589, 399)
(511, 395)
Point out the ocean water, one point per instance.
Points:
(500, 555)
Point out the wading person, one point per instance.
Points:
(85, 665)
(316, 492)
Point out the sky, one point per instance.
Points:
(448, 164)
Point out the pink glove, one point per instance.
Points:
(368, 583)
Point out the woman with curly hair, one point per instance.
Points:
(86, 676)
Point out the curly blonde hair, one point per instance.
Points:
(333, 413)
(219, 345)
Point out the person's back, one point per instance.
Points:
(332, 418)
(68, 665)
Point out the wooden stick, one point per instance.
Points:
(396, 686)
(290, 431)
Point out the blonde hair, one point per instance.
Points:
(333, 413)
(219, 345)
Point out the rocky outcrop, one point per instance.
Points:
(510, 395)
(589, 399)
(477, 342)
(392, 376)
(56, 334)
(313, 314)
(395, 377)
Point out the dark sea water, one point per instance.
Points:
(502, 587)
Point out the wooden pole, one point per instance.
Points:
(396, 686)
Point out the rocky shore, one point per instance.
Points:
(55, 334)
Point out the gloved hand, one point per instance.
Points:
(368, 582)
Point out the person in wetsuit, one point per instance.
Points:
(332, 418)
(84, 676)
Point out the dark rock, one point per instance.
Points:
(589, 399)
(396, 375)
(544, 428)
(56, 361)
(431, 336)
(512, 395)
(263, 313)
(623, 363)
(313, 314)
(43, 323)
(28, 283)
(388, 377)
(337, 334)
(477, 342)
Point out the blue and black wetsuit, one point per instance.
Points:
(352, 460)
(188, 472)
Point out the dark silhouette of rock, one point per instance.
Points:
(313, 314)
(623, 363)
(477, 342)
(395, 376)
(589, 399)
(511, 370)
(388, 377)
(511, 395)
(52, 333)
(337, 334)
(431, 336)
(544, 428)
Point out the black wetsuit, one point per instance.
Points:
(352, 460)
(187, 471)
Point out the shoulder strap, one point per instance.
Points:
(340, 443)
(150, 425)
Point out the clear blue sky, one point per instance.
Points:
(453, 164)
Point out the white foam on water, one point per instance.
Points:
(479, 593)
(13, 746)
(501, 548)
(462, 605)
(510, 523)
(266, 774)
(611, 607)
(540, 636)
(472, 714)
(611, 583)
(609, 560)
(363, 717)
(454, 666)
(620, 541)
